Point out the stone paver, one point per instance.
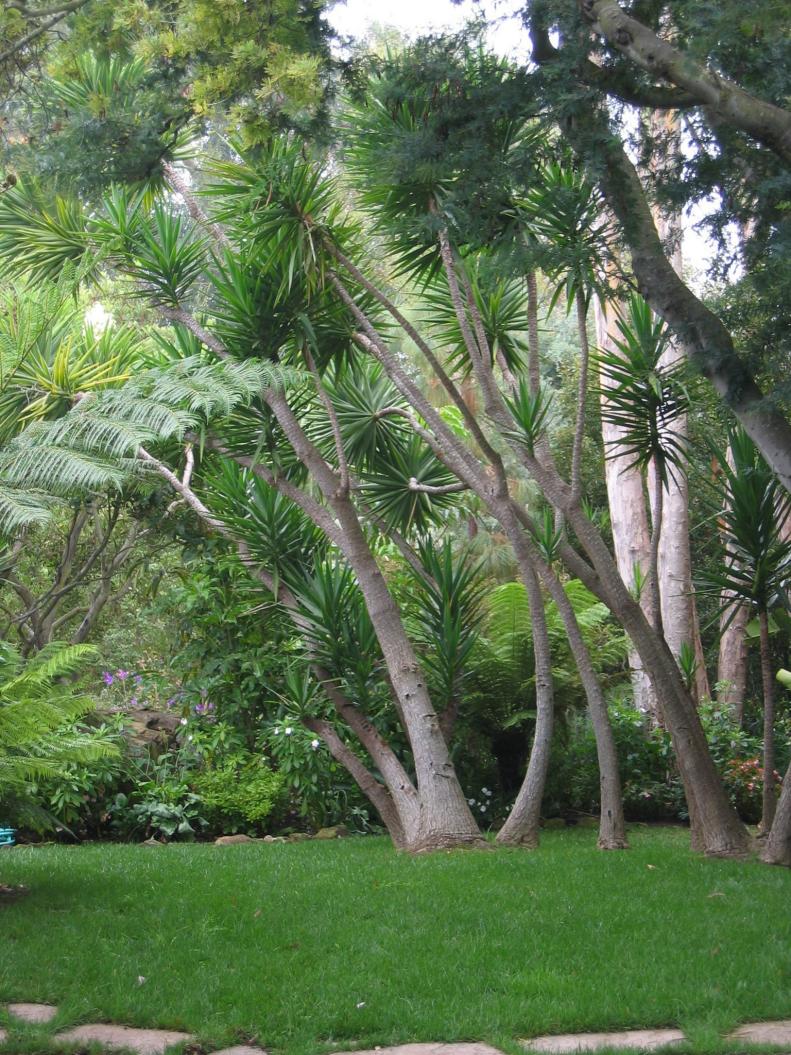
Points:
(142, 1041)
(241, 1049)
(35, 1014)
(765, 1032)
(429, 1049)
(636, 1039)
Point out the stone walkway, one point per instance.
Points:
(158, 1041)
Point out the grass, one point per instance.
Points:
(313, 947)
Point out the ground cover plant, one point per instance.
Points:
(326, 946)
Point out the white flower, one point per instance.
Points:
(183, 721)
(277, 732)
(361, 1003)
(471, 802)
(314, 744)
(289, 730)
(486, 791)
(483, 807)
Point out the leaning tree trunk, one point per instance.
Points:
(777, 850)
(445, 819)
(522, 826)
(722, 834)
(612, 826)
(628, 516)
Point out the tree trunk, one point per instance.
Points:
(709, 344)
(732, 663)
(522, 826)
(378, 795)
(721, 831)
(769, 797)
(628, 515)
(679, 612)
(778, 846)
(612, 827)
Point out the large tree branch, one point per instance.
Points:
(39, 31)
(709, 343)
(768, 124)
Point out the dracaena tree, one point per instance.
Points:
(269, 306)
(645, 401)
(447, 215)
(753, 510)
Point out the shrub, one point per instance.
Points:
(238, 792)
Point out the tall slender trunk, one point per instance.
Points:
(612, 830)
(679, 611)
(733, 650)
(376, 793)
(732, 662)
(722, 834)
(654, 584)
(769, 797)
(582, 392)
(522, 826)
(612, 827)
(628, 514)
(445, 819)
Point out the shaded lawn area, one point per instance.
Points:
(317, 946)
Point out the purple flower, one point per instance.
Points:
(170, 702)
(107, 678)
(133, 702)
(122, 675)
(138, 679)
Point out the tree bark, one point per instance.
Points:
(444, 819)
(769, 802)
(523, 824)
(708, 342)
(677, 595)
(378, 795)
(732, 663)
(628, 515)
(777, 850)
(768, 124)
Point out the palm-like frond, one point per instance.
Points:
(361, 395)
(448, 618)
(502, 308)
(38, 238)
(562, 214)
(752, 509)
(389, 493)
(38, 711)
(644, 400)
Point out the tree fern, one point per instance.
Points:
(39, 712)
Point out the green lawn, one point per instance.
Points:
(316, 946)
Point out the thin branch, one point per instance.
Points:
(39, 31)
(343, 465)
(429, 489)
(182, 188)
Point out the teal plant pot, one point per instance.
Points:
(7, 836)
